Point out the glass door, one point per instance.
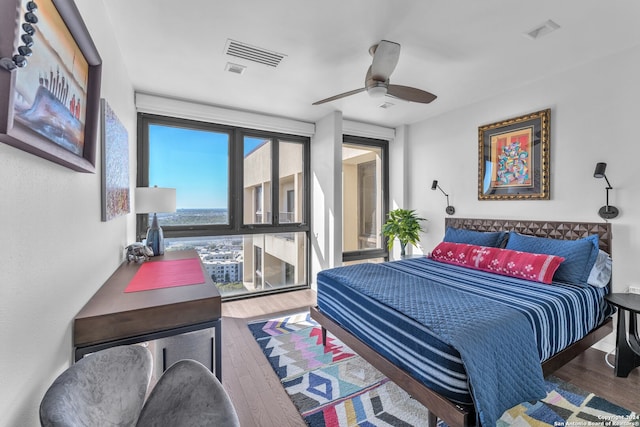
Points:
(364, 192)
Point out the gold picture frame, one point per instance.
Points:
(513, 158)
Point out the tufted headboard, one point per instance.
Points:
(553, 229)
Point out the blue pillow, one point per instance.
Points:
(478, 238)
(600, 274)
(579, 255)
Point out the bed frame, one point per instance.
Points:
(440, 407)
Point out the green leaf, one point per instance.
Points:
(404, 225)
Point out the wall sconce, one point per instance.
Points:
(154, 200)
(450, 209)
(607, 211)
(19, 59)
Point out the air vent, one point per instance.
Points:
(235, 68)
(386, 105)
(252, 53)
(542, 30)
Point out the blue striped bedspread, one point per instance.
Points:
(416, 313)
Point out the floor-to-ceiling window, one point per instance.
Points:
(242, 200)
(364, 192)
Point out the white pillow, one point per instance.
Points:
(601, 271)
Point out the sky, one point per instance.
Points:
(194, 162)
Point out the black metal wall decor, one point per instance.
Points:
(19, 60)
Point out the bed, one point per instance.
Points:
(392, 315)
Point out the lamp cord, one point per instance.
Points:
(606, 358)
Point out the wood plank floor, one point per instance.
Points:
(260, 400)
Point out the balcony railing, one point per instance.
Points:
(285, 217)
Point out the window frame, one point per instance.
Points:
(235, 202)
(236, 173)
(383, 145)
(142, 220)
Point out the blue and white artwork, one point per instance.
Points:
(115, 165)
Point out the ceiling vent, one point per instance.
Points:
(542, 30)
(386, 105)
(235, 68)
(252, 53)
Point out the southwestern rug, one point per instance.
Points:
(332, 386)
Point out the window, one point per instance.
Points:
(289, 214)
(364, 186)
(257, 267)
(258, 173)
(289, 273)
(368, 230)
(252, 235)
(196, 163)
(290, 181)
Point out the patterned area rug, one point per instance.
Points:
(332, 386)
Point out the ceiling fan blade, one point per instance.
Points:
(410, 94)
(385, 59)
(342, 95)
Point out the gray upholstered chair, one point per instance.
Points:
(188, 394)
(106, 388)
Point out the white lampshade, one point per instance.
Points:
(154, 199)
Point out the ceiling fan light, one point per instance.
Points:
(377, 91)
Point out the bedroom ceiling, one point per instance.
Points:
(463, 51)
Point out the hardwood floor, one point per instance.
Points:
(254, 388)
(260, 400)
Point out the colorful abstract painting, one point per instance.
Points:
(511, 153)
(115, 165)
(513, 158)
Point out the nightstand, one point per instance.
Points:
(627, 348)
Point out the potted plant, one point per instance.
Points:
(404, 225)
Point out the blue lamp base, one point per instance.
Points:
(155, 237)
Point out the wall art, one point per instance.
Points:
(513, 158)
(50, 106)
(115, 164)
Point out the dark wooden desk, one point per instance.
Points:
(627, 348)
(113, 317)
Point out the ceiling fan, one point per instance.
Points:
(385, 58)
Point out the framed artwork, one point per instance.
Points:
(115, 164)
(513, 158)
(50, 107)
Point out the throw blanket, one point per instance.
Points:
(496, 342)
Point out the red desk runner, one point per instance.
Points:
(166, 274)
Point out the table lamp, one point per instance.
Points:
(154, 200)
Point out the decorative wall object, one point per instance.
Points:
(607, 211)
(115, 164)
(50, 108)
(513, 158)
(26, 38)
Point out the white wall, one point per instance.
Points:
(55, 251)
(399, 182)
(326, 194)
(594, 116)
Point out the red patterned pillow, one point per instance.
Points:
(524, 265)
